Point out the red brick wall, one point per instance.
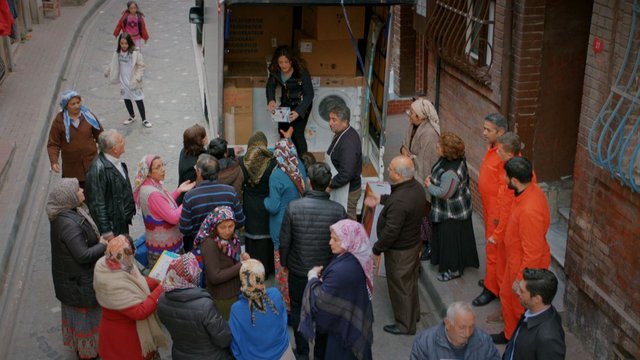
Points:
(603, 262)
(420, 61)
(404, 51)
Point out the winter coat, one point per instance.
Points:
(282, 191)
(305, 230)
(74, 252)
(432, 344)
(112, 72)
(231, 175)
(297, 91)
(197, 329)
(109, 196)
(345, 152)
(78, 154)
(257, 225)
(541, 338)
(423, 149)
(401, 217)
(141, 24)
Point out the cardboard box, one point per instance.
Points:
(327, 57)
(329, 23)
(256, 31)
(238, 114)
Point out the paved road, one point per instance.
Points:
(172, 102)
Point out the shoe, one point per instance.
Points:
(499, 338)
(481, 283)
(147, 123)
(448, 275)
(393, 329)
(484, 298)
(129, 120)
(426, 254)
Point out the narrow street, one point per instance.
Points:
(172, 100)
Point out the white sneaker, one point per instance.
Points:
(129, 120)
(147, 123)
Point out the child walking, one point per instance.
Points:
(132, 23)
(128, 67)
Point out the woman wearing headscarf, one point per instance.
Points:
(197, 329)
(419, 144)
(75, 247)
(129, 328)
(219, 250)
(347, 280)
(259, 319)
(74, 134)
(257, 165)
(160, 212)
(286, 183)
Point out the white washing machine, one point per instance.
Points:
(318, 133)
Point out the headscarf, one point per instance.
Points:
(65, 197)
(119, 254)
(182, 273)
(144, 168)
(257, 158)
(88, 116)
(252, 279)
(230, 247)
(354, 239)
(287, 161)
(425, 110)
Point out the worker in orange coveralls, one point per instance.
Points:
(525, 240)
(489, 180)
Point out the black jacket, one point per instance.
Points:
(257, 224)
(74, 252)
(400, 219)
(197, 329)
(109, 196)
(305, 234)
(186, 170)
(540, 338)
(346, 157)
(297, 91)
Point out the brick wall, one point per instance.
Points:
(602, 262)
(420, 60)
(404, 51)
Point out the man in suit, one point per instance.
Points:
(539, 334)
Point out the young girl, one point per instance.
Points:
(132, 23)
(128, 67)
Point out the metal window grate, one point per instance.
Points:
(461, 32)
(614, 139)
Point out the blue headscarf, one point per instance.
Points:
(68, 95)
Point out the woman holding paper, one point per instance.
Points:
(160, 212)
(129, 328)
(288, 73)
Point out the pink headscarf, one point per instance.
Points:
(355, 240)
(144, 168)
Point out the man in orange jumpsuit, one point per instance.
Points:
(491, 172)
(525, 240)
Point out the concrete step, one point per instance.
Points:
(557, 239)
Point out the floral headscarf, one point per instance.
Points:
(257, 158)
(252, 279)
(425, 110)
(285, 154)
(88, 116)
(182, 273)
(119, 254)
(144, 168)
(354, 239)
(230, 247)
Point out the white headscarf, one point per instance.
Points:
(425, 110)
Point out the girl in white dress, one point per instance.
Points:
(127, 66)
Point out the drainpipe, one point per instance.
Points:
(438, 69)
(505, 86)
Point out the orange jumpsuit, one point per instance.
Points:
(525, 245)
(491, 175)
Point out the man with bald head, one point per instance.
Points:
(399, 239)
(457, 337)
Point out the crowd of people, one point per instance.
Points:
(296, 217)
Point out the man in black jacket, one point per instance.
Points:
(539, 334)
(304, 243)
(109, 194)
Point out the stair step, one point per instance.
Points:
(557, 239)
(565, 212)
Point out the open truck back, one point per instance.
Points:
(344, 45)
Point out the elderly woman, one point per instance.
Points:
(219, 250)
(257, 165)
(75, 247)
(347, 280)
(130, 328)
(454, 246)
(74, 133)
(259, 319)
(160, 212)
(286, 183)
(194, 141)
(197, 329)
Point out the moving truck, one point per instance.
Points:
(345, 46)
